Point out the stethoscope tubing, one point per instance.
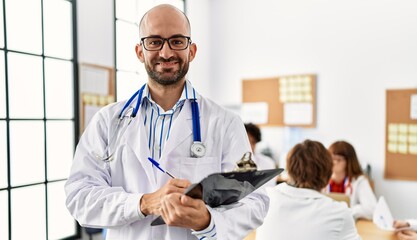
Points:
(136, 109)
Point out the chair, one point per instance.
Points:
(91, 231)
(340, 197)
(368, 171)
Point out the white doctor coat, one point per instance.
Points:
(301, 213)
(362, 198)
(106, 195)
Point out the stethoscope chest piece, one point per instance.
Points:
(198, 150)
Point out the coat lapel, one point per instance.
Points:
(138, 142)
(181, 129)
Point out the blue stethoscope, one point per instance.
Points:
(197, 148)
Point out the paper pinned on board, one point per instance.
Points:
(298, 113)
(255, 112)
(413, 107)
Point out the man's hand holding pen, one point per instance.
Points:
(175, 208)
(150, 204)
(183, 211)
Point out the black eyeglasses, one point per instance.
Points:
(157, 43)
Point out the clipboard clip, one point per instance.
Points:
(246, 164)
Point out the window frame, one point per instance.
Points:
(7, 119)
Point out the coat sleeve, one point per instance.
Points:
(90, 198)
(238, 220)
(348, 231)
(366, 199)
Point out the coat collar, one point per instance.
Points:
(299, 192)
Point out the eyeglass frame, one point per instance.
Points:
(189, 41)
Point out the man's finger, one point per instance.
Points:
(181, 183)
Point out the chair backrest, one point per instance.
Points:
(371, 183)
(339, 197)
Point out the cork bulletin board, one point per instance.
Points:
(291, 99)
(401, 134)
(97, 89)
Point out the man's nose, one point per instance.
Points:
(165, 52)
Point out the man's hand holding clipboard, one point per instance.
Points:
(226, 188)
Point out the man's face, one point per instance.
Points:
(167, 69)
(165, 66)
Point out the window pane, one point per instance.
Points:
(28, 212)
(2, 87)
(58, 28)
(1, 25)
(24, 29)
(25, 86)
(128, 83)
(27, 158)
(4, 220)
(59, 89)
(60, 222)
(127, 37)
(60, 148)
(3, 156)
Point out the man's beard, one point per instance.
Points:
(171, 80)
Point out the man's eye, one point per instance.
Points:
(155, 42)
(177, 42)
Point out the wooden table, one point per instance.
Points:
(251, 236)
(369, 231)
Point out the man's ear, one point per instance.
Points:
(139, 53)
(193, 51)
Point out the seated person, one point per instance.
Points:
(348, 178)
(262, 161)
(409, 234)
(297, 209)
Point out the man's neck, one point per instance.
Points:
(166, 96)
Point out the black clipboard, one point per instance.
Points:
(226, 188)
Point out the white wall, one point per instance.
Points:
(95, 23)
(200, 68)
(357, 48)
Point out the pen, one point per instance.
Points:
(156, 164)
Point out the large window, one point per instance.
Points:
(37, 123)
(130, 73)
